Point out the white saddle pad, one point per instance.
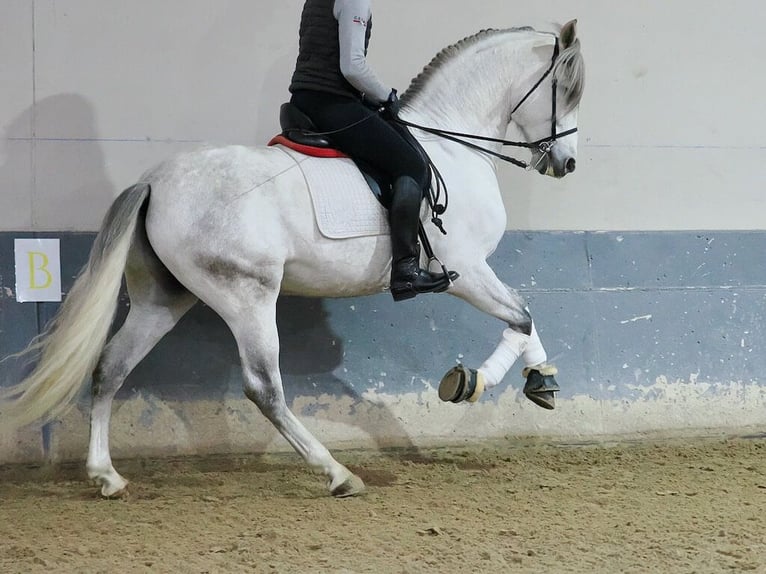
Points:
(344, 205)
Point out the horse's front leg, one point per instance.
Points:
(481, 287)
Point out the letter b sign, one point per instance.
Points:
(38, 270)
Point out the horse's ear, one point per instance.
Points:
(568, 34)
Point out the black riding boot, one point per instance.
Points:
(407, 278)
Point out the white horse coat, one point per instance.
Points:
(235, 227)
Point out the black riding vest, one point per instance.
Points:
(318, 65)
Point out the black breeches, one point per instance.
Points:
(368, 137)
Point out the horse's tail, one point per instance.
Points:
(71, 345)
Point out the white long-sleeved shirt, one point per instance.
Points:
(353, 17)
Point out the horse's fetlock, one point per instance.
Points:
(96, 471)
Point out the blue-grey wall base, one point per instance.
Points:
(651, 331)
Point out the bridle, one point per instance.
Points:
(544, 146)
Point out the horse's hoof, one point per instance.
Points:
(111, 484)
(352, 486)
(541, 386)
(112, 494)
(461, 384)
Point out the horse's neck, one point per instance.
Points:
(474, 90)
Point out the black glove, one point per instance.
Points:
(391, 106)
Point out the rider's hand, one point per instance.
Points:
(391, 105)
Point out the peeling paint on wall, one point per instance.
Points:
(382, 420)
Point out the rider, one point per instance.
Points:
(334, 86)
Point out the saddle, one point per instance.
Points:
(300, 134)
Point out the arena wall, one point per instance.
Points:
(642, 269)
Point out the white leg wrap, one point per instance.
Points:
(506, 354)
(534, 354)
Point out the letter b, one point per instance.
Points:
(38, 263)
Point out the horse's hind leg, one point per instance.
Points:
(481, 287)
(257, 338)
(158, 301)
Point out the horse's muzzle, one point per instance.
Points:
(548, 164)
(561, 168)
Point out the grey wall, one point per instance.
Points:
(96, 91)
(654, 325)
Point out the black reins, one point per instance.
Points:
(544, 146)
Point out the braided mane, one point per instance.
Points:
(569, 68)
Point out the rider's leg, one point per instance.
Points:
(407, 278)
(365, 135)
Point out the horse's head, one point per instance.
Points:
(548, 117)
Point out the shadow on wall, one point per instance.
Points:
(66, 186)
(198, 360)
(244, 79)
(52, 170)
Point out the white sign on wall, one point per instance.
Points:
(38, 270)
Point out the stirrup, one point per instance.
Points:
(408, 290)
(451, 275)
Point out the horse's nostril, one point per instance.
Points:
(571, 165)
